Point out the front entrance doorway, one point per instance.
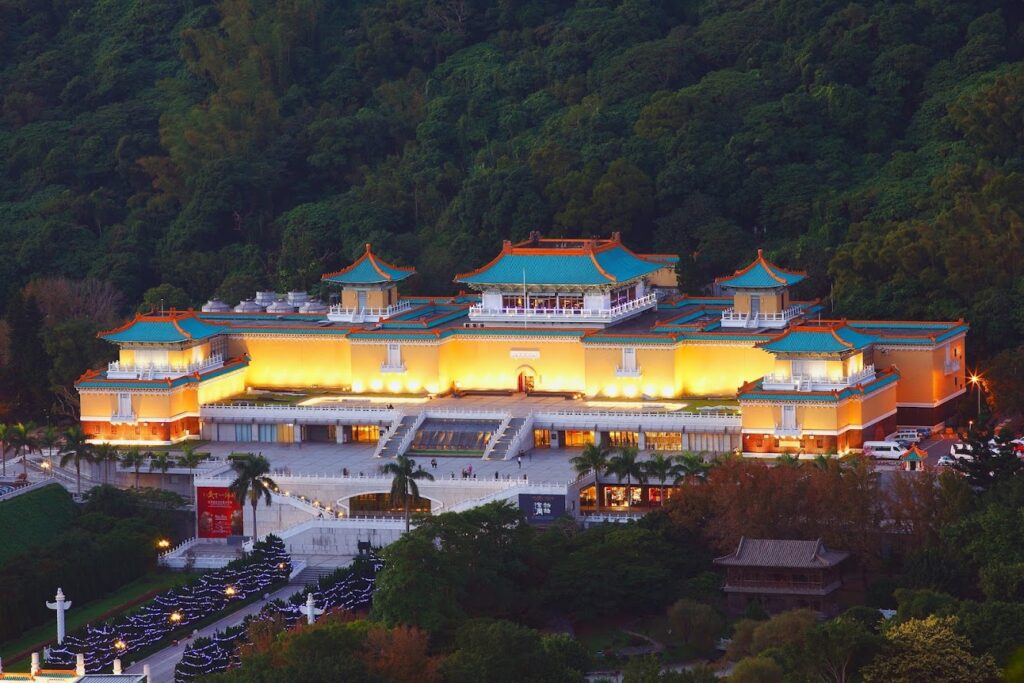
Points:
(526, 380)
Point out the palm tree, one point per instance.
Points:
(692, 466)
(103, 455)
(592, 459)
(403, 486)
(134, 458)
(22, 439)
(788, 460)
(78, 449)
(48, 438)
(190, 459)
(663, 468)
(4, 445)
(625, 465)
(251, 481)
(162, 462)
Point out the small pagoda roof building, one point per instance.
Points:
(170, 328)
(583, 262)
(761, 274)
(913, 459)
(369, 269)
(819, 340)
(369, 290)
(783, 575)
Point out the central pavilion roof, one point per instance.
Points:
(369, 269)
(783, 554)
(814, 339)
(566, 262)
(761, 275)
(170, 328)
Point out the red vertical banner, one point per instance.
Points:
(218, 514)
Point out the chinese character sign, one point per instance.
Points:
(541, 508)
(219, 514)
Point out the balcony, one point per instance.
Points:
(733, 318)
(392, 367)
(580, 316)
(119, 370)
(340, 314)
(788, 431)
(628, 372)
(129, 418)
(813, 383)
(952, 365)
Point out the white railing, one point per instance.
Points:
(341, 313)
(525, 432)
(570, 314)
(392, 367)
(179, 549)
(813, 382)
(122, 417)
(328, 478)
(952, 365)
(496, 436)
(628, 372)
(119, 370)
(733, 318)
(611, 517)
(25, 489)
(385, 436)
(298, 413)
(410, 434)
(790, 430)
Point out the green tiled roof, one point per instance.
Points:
(818, 340)
(172, 329)
(570, 266)
(761, 275)
(368, 270)
(99, 381)
(755, 392)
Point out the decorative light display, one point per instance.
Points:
(176, 609)
(352, 589)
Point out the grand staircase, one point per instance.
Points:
(395, 438)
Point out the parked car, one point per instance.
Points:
(947, 461)
(905, 437)
(883, 450)
(961, 450)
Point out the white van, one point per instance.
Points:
(961, 450)
(883, 450)
(907, 436)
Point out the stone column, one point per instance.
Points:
(60, 605)
(79, 664)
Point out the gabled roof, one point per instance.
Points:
(818, 339)
(769, 552)
(565, 262)
(913, 454)
(369, 269)
(169, 328)
(761, 275)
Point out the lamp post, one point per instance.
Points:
(976, 381)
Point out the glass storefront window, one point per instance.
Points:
(664, 441)
(622, 438)
(578, 439)
(541, 438)
(365, 433)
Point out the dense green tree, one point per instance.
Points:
(501, 651)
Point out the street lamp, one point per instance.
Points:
(230, 591)
(163, 544)
(120, 645)
(976, 381)
(175, 617)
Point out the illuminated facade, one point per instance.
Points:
(584, 317)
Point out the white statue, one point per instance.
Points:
(310, 609)
(61, 606)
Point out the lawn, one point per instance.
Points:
(126, 598)
(33, 518)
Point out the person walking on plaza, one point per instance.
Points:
(433, 463)
(519, 459)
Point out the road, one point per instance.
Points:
(162, 663)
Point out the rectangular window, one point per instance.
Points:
(513, 301)
(243, 432)
(571, 301)
(124, 404)
(268, 433)
(789, 417)
(394, 355)
(629, 359)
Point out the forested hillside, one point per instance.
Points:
(217, 147)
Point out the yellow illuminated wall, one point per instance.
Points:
(288, 362)
(487, 363)
(664, 277)
(924, 379)
(772, 301)
(657, 378)
(218, 388)
(854, 413)
(719, 370)
(421, 363)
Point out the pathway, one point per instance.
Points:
(162, 663)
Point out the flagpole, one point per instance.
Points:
(525, 303)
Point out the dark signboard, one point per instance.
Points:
(541, 508)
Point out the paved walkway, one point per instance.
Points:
(162, 663)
